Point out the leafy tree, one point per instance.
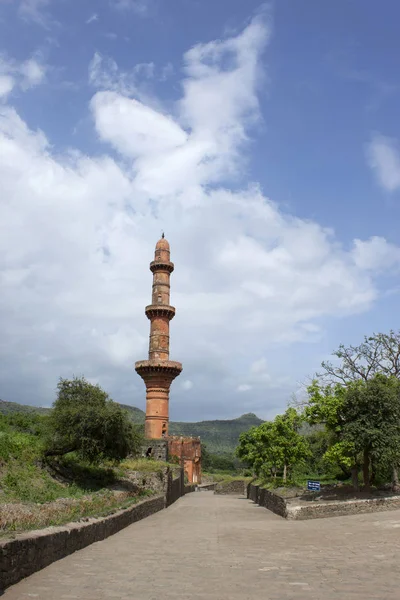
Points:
(274, 446)
(85, 420)
(371, 413)
(325, 406)
(214, 462)
(363, 421)
(379, 353)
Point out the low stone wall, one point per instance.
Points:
(338, 509)
(207, 487)
(33, 551)
(318, 510)
(237, 486)
(272, 501)
(189, 488)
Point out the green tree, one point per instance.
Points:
(371, 413)
(293, 447)
(85, 420)
(274, 446)
(325, 407)
(378, 353)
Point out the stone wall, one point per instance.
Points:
(175, 487)
(317, 510)
(336, 509)
(33, 551)
(188, 489)
(272, 501)
(156, 449)
(237, 486)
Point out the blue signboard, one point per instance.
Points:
(313, 486)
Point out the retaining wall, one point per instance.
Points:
(237, 486)
(342, 508)
(318, 510)
(34, 550)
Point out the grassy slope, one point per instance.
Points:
(34, 494)
(220, 437)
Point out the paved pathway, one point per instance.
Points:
(208, 547)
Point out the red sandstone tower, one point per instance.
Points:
(158, 372)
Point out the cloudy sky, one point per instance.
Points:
(263, 139)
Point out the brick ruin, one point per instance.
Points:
(158, 372)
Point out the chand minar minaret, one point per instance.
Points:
(158, 372)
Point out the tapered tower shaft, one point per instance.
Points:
(158, 371)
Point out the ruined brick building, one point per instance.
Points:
(158, 372)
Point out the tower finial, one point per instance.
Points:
(163, 236)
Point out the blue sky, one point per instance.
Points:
(264, 139)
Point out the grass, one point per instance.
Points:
(15, 518)
(144, 465)
(35, 493)
(225, 477)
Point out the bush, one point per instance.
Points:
(86, 421)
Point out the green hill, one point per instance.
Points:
(8, 408)
(220, 437)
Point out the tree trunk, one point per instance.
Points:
(373, 472)
(284, 472)
(395, 479)
(366, 469)
(345, 470)
(354, 477)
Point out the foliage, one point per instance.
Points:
(358, 403)
(86, 421)
(378, 354)
(16, 518)
(221, 436)
(325, 406)
(371, 413)
(145, 465)
(8, 408)
(214, 462)
(275, 445)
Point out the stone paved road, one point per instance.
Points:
(208, 547)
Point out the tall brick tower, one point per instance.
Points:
(158, 372)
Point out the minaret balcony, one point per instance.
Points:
(161, 265)
(160, 310)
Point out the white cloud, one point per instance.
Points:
(133, 128)
(384, 158)
(376, 254)
(140, 7)
(35, 10)
(6, 85)
(187, 384)
(77, 234)
(244, 387)
(24, 75)
(33, 73)
(105, 74)
(94, 17)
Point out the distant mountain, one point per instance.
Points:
(7, 408)
(220, 437)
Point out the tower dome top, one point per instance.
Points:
(162, 244)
